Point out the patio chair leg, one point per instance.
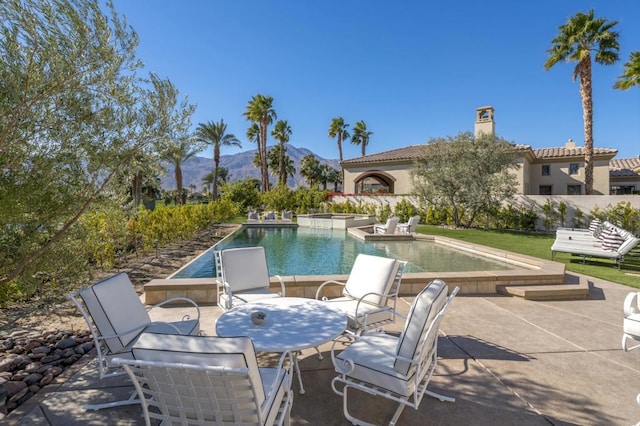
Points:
(320, 357)
(131, 401)
(440, 396)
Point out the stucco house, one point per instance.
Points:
(545, 171)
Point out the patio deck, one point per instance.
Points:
(506, 360)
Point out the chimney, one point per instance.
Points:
(570, 144)
(484, 121)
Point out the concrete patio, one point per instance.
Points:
(506, 360)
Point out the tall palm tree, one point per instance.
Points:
(273, 158)
(581, 35)
(260, 111)
(361, 136)
(338, 129)
(631, 75)
(215, 134)
(335, 178)
(177, 153)
(281, 133)
(207, 183)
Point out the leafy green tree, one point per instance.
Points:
(215, 134)
(260, 111)
(575, 42)
(69, 128)
(631, 75)
(361, 136)
(338, 130)
(310, 170)
(281, 133)
(464, 175)
(243, 193)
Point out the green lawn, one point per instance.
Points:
(539, 245)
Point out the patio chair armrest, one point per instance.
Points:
(281, 285)
(327, 283)
(631, 303)
(362, 300)
(178, 299)
(342, 366)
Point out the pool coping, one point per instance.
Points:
(541, 272)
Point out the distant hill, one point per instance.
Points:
(240, 167)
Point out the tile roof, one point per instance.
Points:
(570, 152)
(624, 167)
(401, 154)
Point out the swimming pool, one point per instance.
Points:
(313, 251)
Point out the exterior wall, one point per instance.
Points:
(522, 175)
(626, 181)
(559, 177)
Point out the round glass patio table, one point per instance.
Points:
(292, 324)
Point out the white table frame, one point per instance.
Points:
(292, 323)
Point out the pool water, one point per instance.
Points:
(312, 251)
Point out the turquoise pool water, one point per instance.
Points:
(312, 251)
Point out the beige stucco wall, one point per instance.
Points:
(559, 176)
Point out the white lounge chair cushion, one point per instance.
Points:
(232, 352)
(595, 224)
(371, 312)
(245, 268)
(373, 358)
(425, 307)
(116, 308)
(631, 325)
(371, 274)
(629, 244)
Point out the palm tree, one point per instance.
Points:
(177, 153)
(273, 159)
(215, 134)
(260, 111)
(338, 129)
(631, 75)
(281, 133)
(310, 170)
(361, 136)
(207, 182)
(582, 34)
(335, 178)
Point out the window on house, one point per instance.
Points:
(573, 168)
(546, 170)
(623, 190)
(574, 189)
(544, 189)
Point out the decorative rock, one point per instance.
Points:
(66, 343)
(34, 389)
(48, 378)
(7, 344)
(33, 355)
(32, 344)
(32, 379)
(19, 333)
(33, 367)
(14, 387)
(50, 358)
(41, 350)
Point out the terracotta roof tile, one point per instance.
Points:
(570, 152)
(624, 167)
(401, 154)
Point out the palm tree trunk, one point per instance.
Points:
(216, 167)
(587, 115)
(262, 147)
(281, 169)
(340, 146)
(178, 184)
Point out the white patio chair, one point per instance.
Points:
(243, 276)
(269, 217)
(253, 217)
(388, 228)
(197, 380)
(286, 216)
(631, 322)
(396, 368)
(373, 282)
(116, 317)
(410, 226)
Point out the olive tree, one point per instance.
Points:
(70, 128)
(464, 175)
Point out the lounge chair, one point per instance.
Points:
(631, 322)
(116, 318)
(410, 226)
(614, 243)
(208, 380)
(395, 367)
(373, 282)
(388, 228)
(287, 216)
(253, 217)
(243, 276)
(269, 217)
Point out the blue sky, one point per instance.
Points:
(412, 70)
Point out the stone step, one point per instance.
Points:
(547, 291)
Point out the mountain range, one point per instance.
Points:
(240, 167)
